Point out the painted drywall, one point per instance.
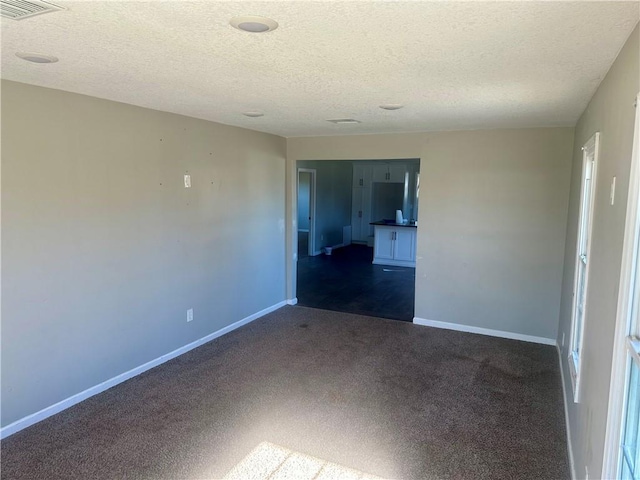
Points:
(103, 248)
(611, 113)
(304, 190)
(493, 209)
(333, 200)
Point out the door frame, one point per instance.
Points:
(312, 209)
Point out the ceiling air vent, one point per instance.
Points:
(19, 9)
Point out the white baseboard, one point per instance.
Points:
(572, 465)
(483, 331)
(292, 301)
(101, 387)
(394, 263)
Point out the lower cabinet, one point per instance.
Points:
(395, 245)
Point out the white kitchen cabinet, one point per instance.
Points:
(361, 214)
(383, 246)
(361, 203)
(362, 175)
(389, 173)
(395, 245)
(404, 247)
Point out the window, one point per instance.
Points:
(622, 441)
(587, 195)
(630, 452)
(629, 467)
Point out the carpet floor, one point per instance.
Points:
(306, 393)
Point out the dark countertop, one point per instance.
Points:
(392, 223)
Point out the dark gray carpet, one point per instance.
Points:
(381, 397)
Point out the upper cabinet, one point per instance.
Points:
(367, 180)
(362, 175)
(389, 173)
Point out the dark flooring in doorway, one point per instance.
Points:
(303, 244)
(348, 282)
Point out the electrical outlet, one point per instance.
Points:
(190, 315)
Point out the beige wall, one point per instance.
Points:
(491, 230)
(611, 113)
(104, 250)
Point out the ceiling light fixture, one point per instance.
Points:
(253, 114)
(253, 24)
(36, 57)
(344, 121)
(391, 106)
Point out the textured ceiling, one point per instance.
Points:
(455, 65)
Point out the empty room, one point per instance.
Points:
(151, 219)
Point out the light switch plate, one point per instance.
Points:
(187, 181)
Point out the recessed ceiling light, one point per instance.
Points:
(253, 114)
(391, 106)
(36, 57)
(344, 121)
(253, 23)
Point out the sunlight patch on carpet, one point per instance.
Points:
(270, 461)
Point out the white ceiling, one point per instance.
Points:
(455, 65)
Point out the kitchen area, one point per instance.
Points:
(385, 209)
(367, 211)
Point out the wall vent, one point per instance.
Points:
(19, 9)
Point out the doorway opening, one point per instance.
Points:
(363, 230)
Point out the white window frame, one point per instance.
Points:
(585, 224)
(625, 348)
